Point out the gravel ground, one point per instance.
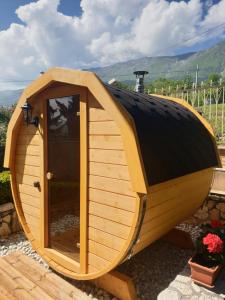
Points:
(152, 269)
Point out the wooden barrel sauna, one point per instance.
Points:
(99, 173)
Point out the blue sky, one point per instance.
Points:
(8, 8)
(38, 34)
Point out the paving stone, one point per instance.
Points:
(221, 206)
(195, 287)
(183, 279)
(4, 229)
(169, 295)
(6, 206)
(195, 297)
(214, 214)
(183, 288)
(7, 219)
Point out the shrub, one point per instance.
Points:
(5, 189)
(2, 152)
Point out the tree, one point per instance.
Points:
(214, 78)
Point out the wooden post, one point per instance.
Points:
(117, 284)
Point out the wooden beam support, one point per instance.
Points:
(117, 284)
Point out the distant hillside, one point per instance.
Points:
(211, 60)
(172, 67)
(9, 97)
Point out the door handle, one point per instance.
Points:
(49, 175)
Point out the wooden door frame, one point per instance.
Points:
(51, 93)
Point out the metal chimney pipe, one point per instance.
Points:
(139, 87)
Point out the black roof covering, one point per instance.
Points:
(172, 139)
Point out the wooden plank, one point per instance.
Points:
(30, 129)
(30, 200)
(108, 156)
(103, 251)
(45, 284)
(112, 199)
(31, 210)
(11, 285)
(150, 221)
(118, 186)
(32, 220)
(111, 213)
(60, 90)
(5, 295)
(93, 103)
(109, 226)
(28, 150)
(97, 262)
(103, 128)
(98, 114)
(180, 180)
(44, 201)
(106, 239)
(63, 260)
(172, 216)
(28, 170)
(119, 285)
(109, 170)
(175, 198)
(84, 182)
(16, 275)
(27, 179)
(25, 139)
(171, 191)
(29, 190)
(92, 269)
(160, 230)
(35, 233)
(29, 160)
(113, 142)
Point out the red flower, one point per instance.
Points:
(216, 223)
(213, 242)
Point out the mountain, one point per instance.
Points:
(211, 60)
(9, 97)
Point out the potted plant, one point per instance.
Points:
(210, 254)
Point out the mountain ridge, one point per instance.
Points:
(211, 60)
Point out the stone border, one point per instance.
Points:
(8, 220)
(212, 209)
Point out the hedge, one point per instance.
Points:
(5, 189)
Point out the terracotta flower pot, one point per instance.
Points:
(203, 275)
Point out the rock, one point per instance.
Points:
(202, 214)
(195, 287)
(7, 219)
(169, 295)
(223, 215)
(221, 207)
(183, 279)
(15, 223)
(181, 287)
(211, 204)
(5, 230)
(6, 207)
(214, 214)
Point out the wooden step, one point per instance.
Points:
(23, 278)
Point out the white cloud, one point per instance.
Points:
(108, 31)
